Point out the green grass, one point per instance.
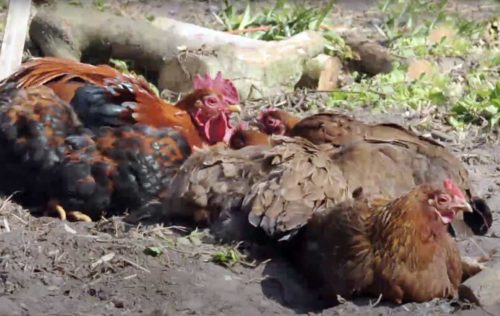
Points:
(100, 5)
(472, 97)
(227, 257)
(124, 67)
(282, 21)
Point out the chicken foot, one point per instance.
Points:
(75, 216)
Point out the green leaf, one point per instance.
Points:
(323, 13)
(246, 19)
(455, 123)
(153, 251)
(119, 64)
(437, 98)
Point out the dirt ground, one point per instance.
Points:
(48, 266)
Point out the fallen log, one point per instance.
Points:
(258, 68)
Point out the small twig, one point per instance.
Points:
(135, 265)
(19, 219)
(128, 277)
(376, 302)
(251, 29)
(103, 259)
(6, 225)
(6, 201)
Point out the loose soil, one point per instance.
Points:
(48, 266)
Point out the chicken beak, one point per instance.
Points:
(464, 206)
(234, 108)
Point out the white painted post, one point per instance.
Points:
(14, 37)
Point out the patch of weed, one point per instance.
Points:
(282, 21)
(424, 30)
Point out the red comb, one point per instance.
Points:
(265, 111)
(451, 187)
(224, 86)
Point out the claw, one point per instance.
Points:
(79, 217)
(60, 211)
(54, 208)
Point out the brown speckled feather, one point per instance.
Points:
(300, 180)
(210, 186)
(275, 187)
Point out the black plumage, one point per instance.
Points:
(49, 155)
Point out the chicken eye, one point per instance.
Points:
(210, 102)
(443, 199)
(272, 122)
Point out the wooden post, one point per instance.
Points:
(14, 36)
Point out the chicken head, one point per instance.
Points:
(210, 106)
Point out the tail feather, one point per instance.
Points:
(42, 71)
(66, 77)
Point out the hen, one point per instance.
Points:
(101, 95)
(50, 156)
(399, 249)
(339, 130)
(281, 185)
(284, 181)
(243, 136)
(276, 122)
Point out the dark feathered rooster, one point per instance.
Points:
(399, 249)
(101, 95)
(114, 148)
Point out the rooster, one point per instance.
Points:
(399, 249)
(52, 157)
(340, 130)
(101, 95)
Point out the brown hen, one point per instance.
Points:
(400, 249)
(243, 136)
(281, 185)
(340, 130)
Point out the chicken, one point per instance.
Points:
(399, 249)
(219, 186)
(338, 129)
(281, 185)
(274, 121)
(209, 189)
(101, 95)
(243, 136)
(49, 155)
(382, 168)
